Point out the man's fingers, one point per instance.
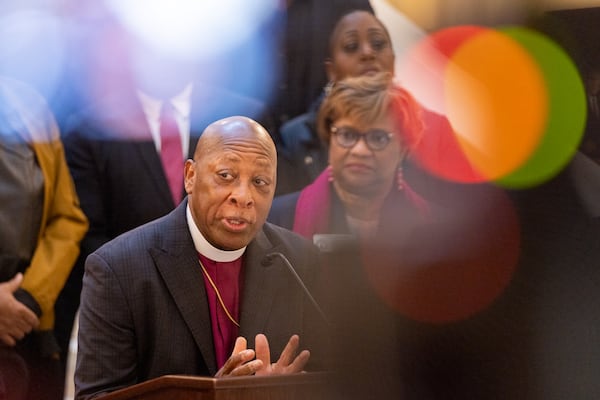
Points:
(18, 333)
(242, 360)
(29, 317)
(262, 349)
(23, 317)
(236, 357)
(289, 351)
(7, 340)
(233, 362)
(248, 368)
(240, 345)
(299, 362)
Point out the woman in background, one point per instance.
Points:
(41, 225)
(370, 125)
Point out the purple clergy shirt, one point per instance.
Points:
(226, 277)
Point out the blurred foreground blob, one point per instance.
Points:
(452, 268)
(514, 99)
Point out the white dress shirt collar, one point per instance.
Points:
(182, 103)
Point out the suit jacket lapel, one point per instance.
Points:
(151, 159)
(177, 262)
(142, 141)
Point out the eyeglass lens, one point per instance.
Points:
(375, 139)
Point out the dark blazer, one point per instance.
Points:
(400, 216)
(119, 176)
(301, 156)
(144, 311)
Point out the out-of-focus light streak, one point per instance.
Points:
(187, 28)
(32, 48)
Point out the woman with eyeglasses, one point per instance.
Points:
(359, 45)
(370, 125)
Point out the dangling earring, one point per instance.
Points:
(328, 88)
(329, 173)
(399, 178)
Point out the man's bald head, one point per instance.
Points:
(231, 130)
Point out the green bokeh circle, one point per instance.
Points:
(566, 114)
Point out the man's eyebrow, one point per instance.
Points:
(227, 157)
(263, 162)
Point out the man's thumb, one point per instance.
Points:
(15, 282)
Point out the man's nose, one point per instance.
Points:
(242, 196)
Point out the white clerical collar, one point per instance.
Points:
(205, 248)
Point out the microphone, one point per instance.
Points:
(330, 242)
(268, 260)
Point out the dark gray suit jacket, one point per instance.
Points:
(144, 311)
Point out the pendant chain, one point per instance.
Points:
(218, 295)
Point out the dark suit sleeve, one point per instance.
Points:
(88, 182)
(301, 156)
(283, 210)
(83, 167)
(106, 357)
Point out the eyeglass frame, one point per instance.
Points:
(360, 135)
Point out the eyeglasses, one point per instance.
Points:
(376, 139)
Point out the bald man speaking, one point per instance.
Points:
(190, 293)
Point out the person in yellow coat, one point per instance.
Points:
(41, 225)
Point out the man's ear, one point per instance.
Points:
(189, 174)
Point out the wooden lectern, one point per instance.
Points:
(180, 387)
